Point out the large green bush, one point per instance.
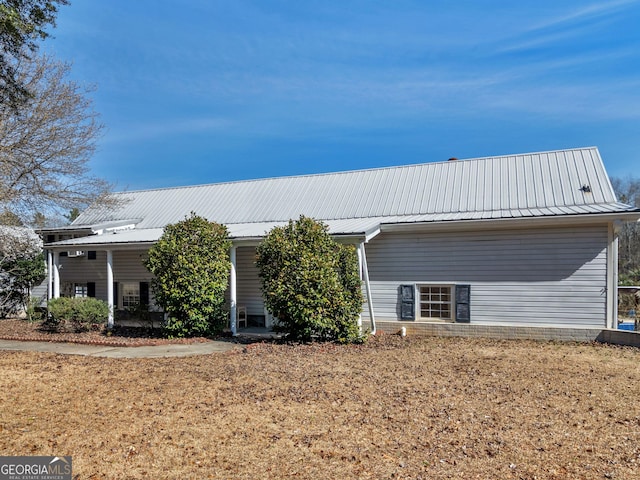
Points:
(190, 263)
(310, 282)
(77, 313)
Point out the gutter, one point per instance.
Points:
(577, 219)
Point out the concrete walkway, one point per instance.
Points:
(156, 351)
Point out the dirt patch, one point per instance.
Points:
(418, 408)
(13, 329)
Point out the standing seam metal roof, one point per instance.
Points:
(510, 186)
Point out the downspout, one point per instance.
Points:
(367, 284)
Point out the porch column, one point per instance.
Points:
(358, 249)
(49, 275)
(612, 275)
(56, 274)
(365, 274)
(110, 288)
(232, 291)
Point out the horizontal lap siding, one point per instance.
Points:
(83, 270)
(543, 277)
(248, 281)
(127, 267)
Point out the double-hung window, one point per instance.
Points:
(130, 295)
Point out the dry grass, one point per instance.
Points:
(15, 329)
(415, 408)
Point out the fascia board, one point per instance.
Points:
(587, 219)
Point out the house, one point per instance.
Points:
(525, 240)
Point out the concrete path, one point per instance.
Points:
(156, 351)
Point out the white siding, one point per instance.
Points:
(535, 277)
(83, 270)
(127, 267)
(248, 282)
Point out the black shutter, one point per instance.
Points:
(115, 295)
(91, 289)
(91, 255)
(144, 293)
(463, 303)
(407, 302)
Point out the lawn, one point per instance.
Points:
(397, 408)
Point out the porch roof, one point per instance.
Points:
(238, 231)
(364, 227)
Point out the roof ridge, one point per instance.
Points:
(347, 172)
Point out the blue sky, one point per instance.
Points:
(203, 91)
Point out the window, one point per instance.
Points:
(91, 255)
(436, 302)
(80, 290)
(130, 295)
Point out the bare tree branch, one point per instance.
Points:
(628, 191)
(45, 147)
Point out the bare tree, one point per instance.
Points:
(46, 145)
(628, 191)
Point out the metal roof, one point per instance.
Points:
(563, 182)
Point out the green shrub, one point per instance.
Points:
(35, 311)
(310, 282)
(77, 313)
(191, 266)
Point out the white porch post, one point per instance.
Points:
(56, 274)
(612, 276)
(49, 275)
(232, 291)
(358, 249)
(365, 273)
(110, 289)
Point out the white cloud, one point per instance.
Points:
(141, 130)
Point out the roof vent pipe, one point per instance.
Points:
(452, 159)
